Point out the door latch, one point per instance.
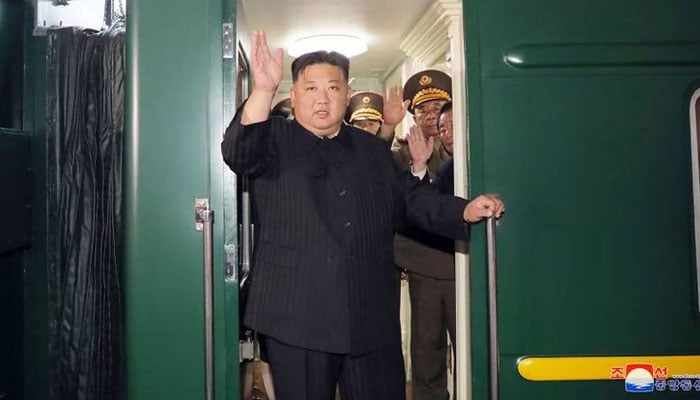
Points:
(201, 208)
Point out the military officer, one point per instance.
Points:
(428, 259)
(424, 93)
(365, 111)
(377, 114)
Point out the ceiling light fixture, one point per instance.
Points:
(347, 45)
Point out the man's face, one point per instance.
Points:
(426, 116)
(446, 131)
(368, 125)
(319, 98)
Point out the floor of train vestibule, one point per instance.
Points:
(257, 384)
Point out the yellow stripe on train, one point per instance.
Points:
(584, 368)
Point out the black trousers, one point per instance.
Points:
(302, 374)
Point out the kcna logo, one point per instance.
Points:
(639, 378)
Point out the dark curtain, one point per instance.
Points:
(84, 162)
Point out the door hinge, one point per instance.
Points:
(228, 40)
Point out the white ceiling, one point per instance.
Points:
(382, 23)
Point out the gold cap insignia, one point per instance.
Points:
(366, 100)
(425, 86)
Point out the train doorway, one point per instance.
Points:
(429, 39)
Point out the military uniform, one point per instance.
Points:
(402, 157)
(429, 261)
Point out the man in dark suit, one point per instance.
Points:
(444, 181)
(323, 290)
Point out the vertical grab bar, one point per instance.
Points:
(209, 301)
(246, 231)
(204, 221)
(493, 309)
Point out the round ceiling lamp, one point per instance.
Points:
(347, 45)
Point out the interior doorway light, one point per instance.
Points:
(347, 45)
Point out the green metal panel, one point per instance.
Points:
(579, 119)
(174, 127)
(14, 240)
(11, 63)
(15, 175)
(36, 329)
(12, 265)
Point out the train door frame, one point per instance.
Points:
(444, 21)
(460, 101)
(180, 95)
(694, 108)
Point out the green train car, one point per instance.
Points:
(583, 116)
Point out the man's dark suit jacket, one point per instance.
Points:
(417, 251)
(323, 275)
(445, 180)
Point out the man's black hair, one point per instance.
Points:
(320, 57)
(447, 107)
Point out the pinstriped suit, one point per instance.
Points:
(323, 276)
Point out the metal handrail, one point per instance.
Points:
(493, 309)
(207, 217)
